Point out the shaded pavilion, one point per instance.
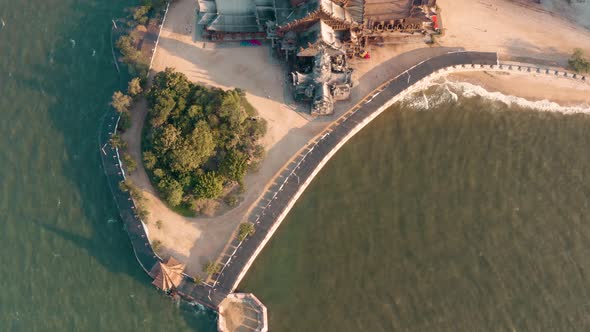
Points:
(167, 275)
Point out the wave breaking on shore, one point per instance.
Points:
(432, 93)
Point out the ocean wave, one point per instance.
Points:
(431, 93)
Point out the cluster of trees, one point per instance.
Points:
(198, 140)
(132, 57)
(121, 102)
(578, 62)
(137, 63)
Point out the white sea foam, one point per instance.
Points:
(199, 308)
(449, 91)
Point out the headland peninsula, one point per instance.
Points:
(308, 112)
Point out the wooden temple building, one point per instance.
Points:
(316, 37)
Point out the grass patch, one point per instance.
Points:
(183, 209)
(250, 110)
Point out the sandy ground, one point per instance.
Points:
(234, 315)
(476, 25)
(511, 29)
(239, 315)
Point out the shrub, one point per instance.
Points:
(126, 45)
(156, 245)
(149, 160)
(197, 280)
(124, 121)
(234, 166)
(209, 185)
(134, 88)
(172, 191)
(142, 213)
(123, 186)
(159, 173)
(140, 14)
(120, 102)
(211, 268)
(117, 142)
(231, 200)
(129, 162)
(578, 63)
(246, 229)
(203, 206)
(159, 224)
(135, 192)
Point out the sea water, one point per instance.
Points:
(455, 210)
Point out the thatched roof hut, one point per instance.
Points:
(167, 275)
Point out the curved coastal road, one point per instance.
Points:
(282, 195)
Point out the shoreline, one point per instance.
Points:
(302, 137)
(537, 89)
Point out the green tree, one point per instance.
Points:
(211, 268)
(578, 62)
(121, 102)
(140, 14)
(167, 138)
(231, 109)
(209, 185)
(159, 173)
(124, 121)
(134, 87)
(149, 160)
(171, 81)
(117, 142)
(192, 152)
(172, 191)
(195, 112)
(129, 162)
(246, 229)
(164, 105)
(127, 46)
(234, 166)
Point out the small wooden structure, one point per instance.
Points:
(167, 276)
